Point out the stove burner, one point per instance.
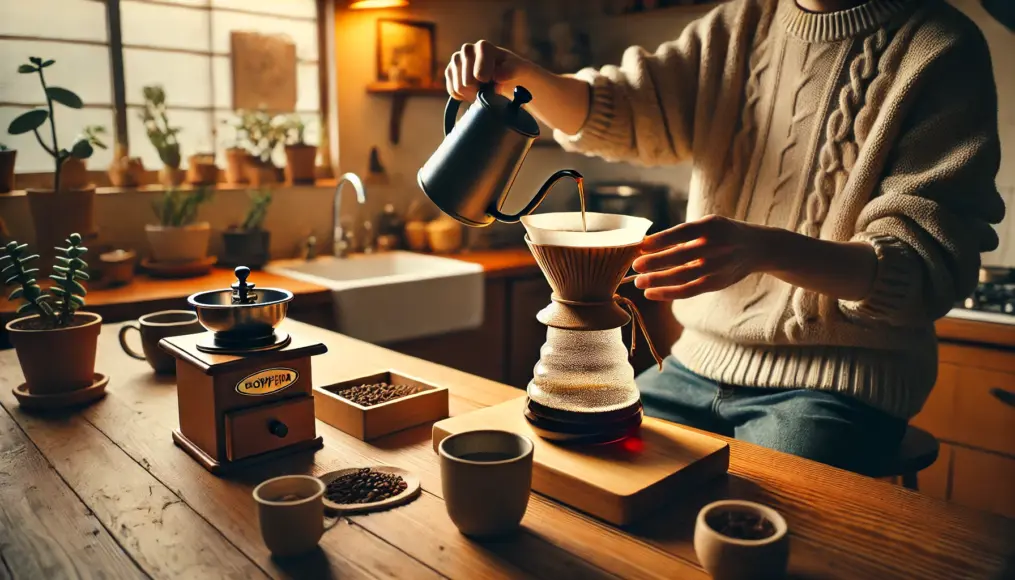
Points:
(214, 343)
(995, 293)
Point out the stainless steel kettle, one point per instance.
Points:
(469, 175)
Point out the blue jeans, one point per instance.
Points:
(827, 427)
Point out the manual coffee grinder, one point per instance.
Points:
(583, 389)
(244, 386)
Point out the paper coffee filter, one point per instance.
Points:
(604, 229)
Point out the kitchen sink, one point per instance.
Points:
(395, 296)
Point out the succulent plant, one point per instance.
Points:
(177, 208)
(3, 147)
(156, 124)
(258, 210)
(68, 273)
(296, 130)
(261, 132)
(32, 120)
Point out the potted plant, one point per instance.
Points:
(248, 243)
(125, 171)
(55, 342)
(201, 169)
(177, 238)
(74, 172)
(62, 209)
(300, 158)
(263, 134)
(236, 156)
(161, 135)
(7, 159)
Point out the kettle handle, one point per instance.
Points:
(451, 109)
(534, 203)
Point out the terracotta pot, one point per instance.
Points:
(7, 159)
(58, 360)
(259, 173)
(201, 170)
(300, 163)
(729, 558)
(246, 247)
(57, 215)
(74, 175)
(236, 160)
(178, 244)
(126, 172)
(171, 176)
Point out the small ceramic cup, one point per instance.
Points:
(486, 477)
(290, 512)
(729, 558)
(153, 328)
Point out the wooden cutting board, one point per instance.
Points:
(617, 482)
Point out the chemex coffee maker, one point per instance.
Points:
(244, 386)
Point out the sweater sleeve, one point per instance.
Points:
(932, 213)
(643, 110)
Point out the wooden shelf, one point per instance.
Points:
(400, 93)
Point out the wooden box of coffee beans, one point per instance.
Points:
(373, 406)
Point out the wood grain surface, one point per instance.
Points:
(842, 525)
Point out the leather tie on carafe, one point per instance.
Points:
(636, 323)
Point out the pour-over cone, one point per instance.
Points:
(584, 281)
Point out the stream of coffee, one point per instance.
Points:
(581, 198)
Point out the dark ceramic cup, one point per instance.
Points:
(153, 328)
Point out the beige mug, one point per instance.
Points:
(487, 478)
(290, 513)
(153, 328)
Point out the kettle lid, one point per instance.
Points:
(511, 111)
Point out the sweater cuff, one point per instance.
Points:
(896, 283)
(602, 112)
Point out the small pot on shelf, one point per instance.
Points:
(260, 173)
(7, 159)
(73, 346)
(246, 247)
(300, 163)
(172, 176)
(236, 160)
(178, 243)
(55, 214)
(116, 268)
(126, 171)
(201, 169)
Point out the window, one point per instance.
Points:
(183, 45)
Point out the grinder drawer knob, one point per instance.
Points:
(278, 428)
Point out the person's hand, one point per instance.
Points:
(480, 63)
(697, 257)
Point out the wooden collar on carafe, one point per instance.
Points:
(628, 305)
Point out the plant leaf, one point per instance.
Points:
(64, 97)
(17, 293)
(75, 286)
(27, 69)
(26, 308)
(82, 275)
(12, 279)
(77, 264)
(63, 260)
(82, 149)
(61, 269)
(79, 300)
(35, 60)
(49, 62)
(26, 122)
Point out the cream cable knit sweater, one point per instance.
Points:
(877, 123)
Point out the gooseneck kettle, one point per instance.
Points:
(469, 175)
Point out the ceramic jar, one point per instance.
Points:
(729, 558)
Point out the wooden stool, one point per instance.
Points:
(917, 452)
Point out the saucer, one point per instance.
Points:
(410, 493)
(179, 269)
(93, 392)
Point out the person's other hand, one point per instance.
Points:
(483, 62)
(697, 257)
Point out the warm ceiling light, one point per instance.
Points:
(365, 4)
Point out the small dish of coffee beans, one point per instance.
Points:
(369, 395)
(740, 525)
(365, 489)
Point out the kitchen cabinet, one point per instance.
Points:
(973, 418)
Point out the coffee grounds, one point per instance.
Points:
(740, 525)
(364, 486)
(369, 395)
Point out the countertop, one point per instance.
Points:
(980, 332)
(104, 489)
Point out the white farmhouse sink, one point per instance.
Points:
(394, 296)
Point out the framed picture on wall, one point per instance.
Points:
(406, 51)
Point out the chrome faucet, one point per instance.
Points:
(343, 242)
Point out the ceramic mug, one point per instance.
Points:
(290, 513)
(730, 558)
(153, 328)
(487, 478)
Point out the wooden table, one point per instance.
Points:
(103, 491)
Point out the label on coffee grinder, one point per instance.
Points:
(267, 382)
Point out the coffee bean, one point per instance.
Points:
(364, 486)
(368, 395)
